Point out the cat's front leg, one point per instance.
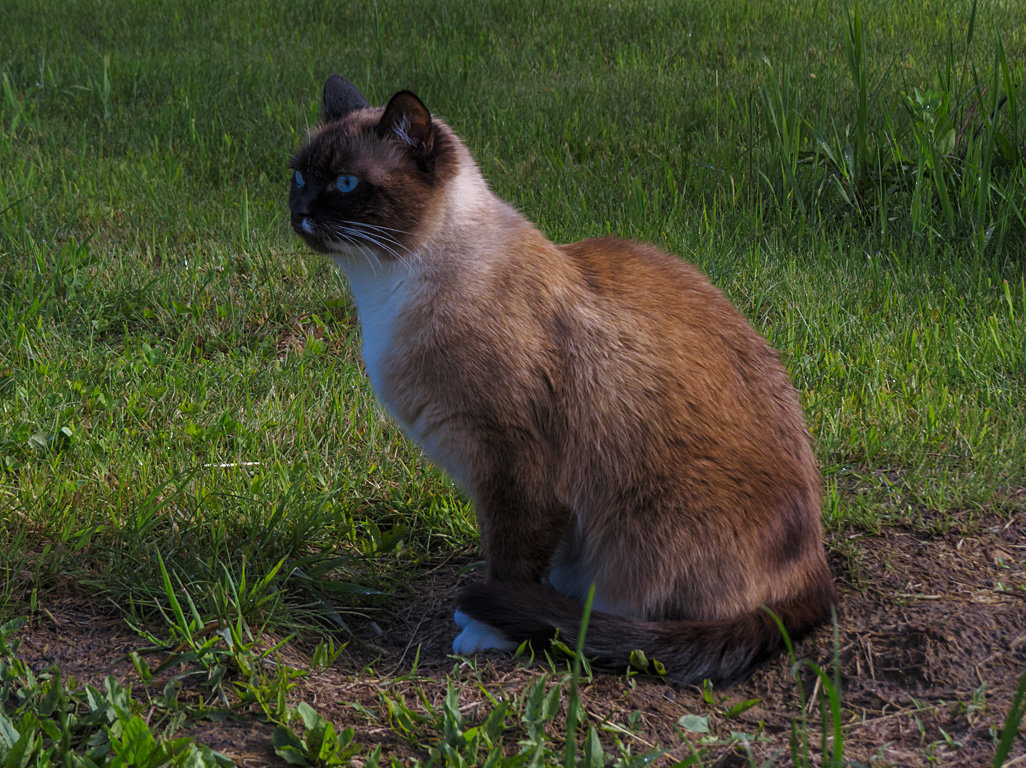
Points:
(521, 525)
(520, 531)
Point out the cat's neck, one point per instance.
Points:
(467, 236)
(467, 216)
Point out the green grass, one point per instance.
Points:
(179, 378)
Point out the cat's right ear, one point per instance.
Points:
(340, 98)
(408, 120)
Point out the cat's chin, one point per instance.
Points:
(331, 247)
(312, 239)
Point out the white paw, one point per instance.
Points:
(461, 619)
(477, 636)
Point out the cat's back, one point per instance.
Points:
(666, 301)
(667, 351)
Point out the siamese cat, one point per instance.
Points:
(614, 419)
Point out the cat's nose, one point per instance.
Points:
(302, 223)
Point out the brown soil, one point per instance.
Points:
(931, 639)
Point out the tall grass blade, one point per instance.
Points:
(1011, 95)
(573, 710)
(971, 27)
(855, 53)
(784, 129)
(1012, 723)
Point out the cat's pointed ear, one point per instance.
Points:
(340, 98)
(408, 120)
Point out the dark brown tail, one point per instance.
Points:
(722, 651)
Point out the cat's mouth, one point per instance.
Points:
(312, 233)
(351, 238)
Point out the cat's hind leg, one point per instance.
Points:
(573, 575)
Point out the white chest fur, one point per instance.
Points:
(380, 291)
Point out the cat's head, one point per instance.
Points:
(365, 180)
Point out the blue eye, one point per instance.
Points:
(346, 182)
(300, 181)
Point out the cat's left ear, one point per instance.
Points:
(340, 98)
(407, 119)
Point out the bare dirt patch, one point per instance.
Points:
(931, 642)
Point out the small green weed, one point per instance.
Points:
(47, 720)
(320, 744)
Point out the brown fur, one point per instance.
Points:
(614, 419)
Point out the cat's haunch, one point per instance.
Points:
(614, 419)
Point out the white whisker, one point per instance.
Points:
(355, 244)
(379, 227)
(374, 241)
(380, 234)
(384, 245)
